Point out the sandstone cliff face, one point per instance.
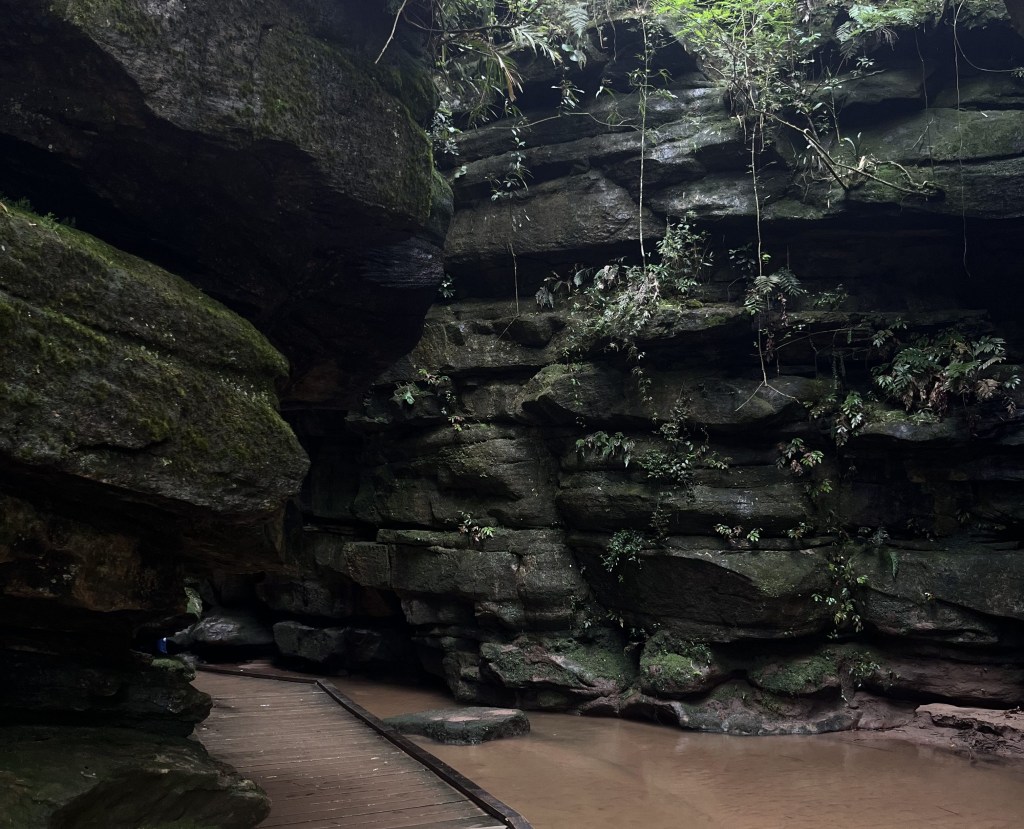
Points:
(139, 440)
(452, 515)
(527, 565)
(254, 150)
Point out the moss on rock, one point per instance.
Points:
(62, 777)
(580, 669)
(671, 668)
(275, 76)
(801, 676)
(119, 372)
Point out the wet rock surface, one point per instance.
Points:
(463, 726)
(231, 633)
(254, 165)
(251, 149)
(974, 733)
(514, 486)
(119, 778)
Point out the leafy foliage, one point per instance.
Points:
(738, 533)
(929, 372)
(686, 449)
(624, 546)
(772, 58)
(606, 446)
(429, 383)
(873, 24)
(472, 528)
(841, 600)
(475, 44)
(616, 302)
(797, 458)
(752, 45)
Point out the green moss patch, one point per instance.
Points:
(802, 676)
(118, 371)
(64, 777)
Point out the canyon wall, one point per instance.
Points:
(253, 150)
(716, 534)
(743, 503)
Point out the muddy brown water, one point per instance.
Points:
(589, 773)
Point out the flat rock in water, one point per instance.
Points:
(463, 726)
(978, 733)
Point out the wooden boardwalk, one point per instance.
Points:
(325, 762)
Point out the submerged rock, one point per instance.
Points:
(463, 726)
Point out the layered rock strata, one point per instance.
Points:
(254, 147)
(542, 565)
(258, 150)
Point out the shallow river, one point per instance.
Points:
(588, 773)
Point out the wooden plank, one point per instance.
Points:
(421, 816)
(372, 809)
(326, 765)
(458, 823)
(396, 788)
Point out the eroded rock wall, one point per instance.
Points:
(534, 570)
(253, 147)
(258, 151)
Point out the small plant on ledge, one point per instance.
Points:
(606, 446)
(928, 373)
(736, 535)
(624, 546)
(841, 601)
(473, 529)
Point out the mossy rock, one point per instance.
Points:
(955, 592)
(275, 79)
(949, 135)
(155, 695)
(67, 777)
(580, 669)
(258, 144)
(812, 675)
(671, 667)
(709, 595)
(120, 373)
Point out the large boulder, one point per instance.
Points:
(548, 672)
(231, 634)
(110, 369)
(323, 648)
(139, 435)
(138, 692)
(257, 145)
(706, 594)
(119, 778)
